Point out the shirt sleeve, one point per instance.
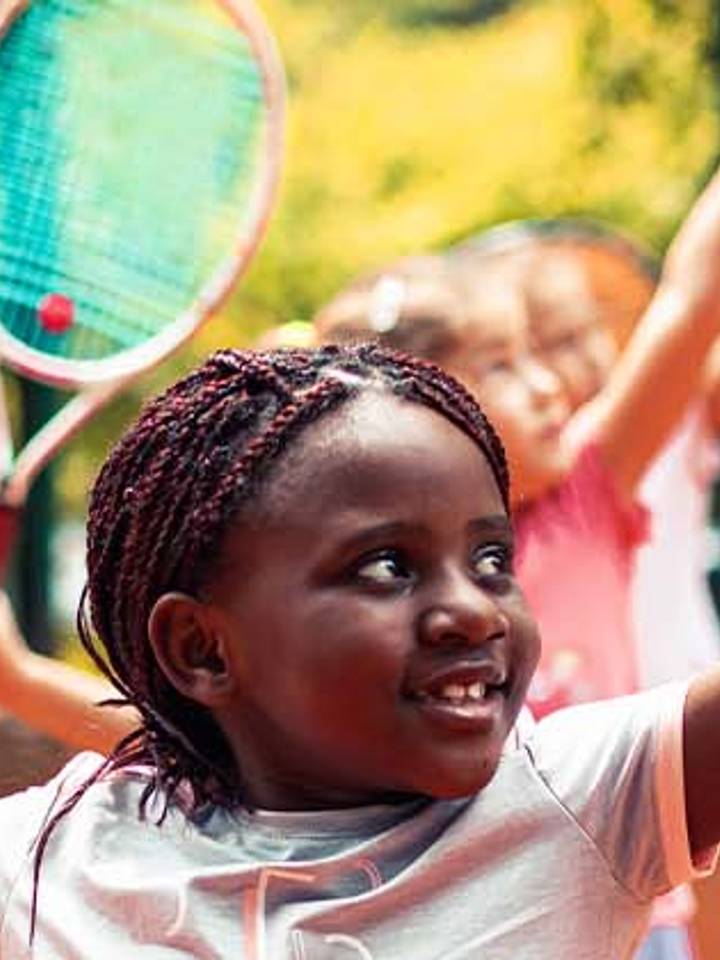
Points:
(22, 817)
(617, 768)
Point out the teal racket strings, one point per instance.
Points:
(134, 139)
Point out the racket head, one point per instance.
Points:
(621, 270)
(142, 146)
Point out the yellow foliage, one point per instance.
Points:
(402, 139)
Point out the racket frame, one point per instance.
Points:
(75, 374)
(98, 381)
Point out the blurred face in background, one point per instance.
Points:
(567, 330)
(520, 393)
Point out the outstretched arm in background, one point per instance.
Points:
(661, 368)
(55, 698)
(711, 390)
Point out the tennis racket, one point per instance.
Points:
(140, 151)
(622, 272)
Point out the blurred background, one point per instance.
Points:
(412, 124)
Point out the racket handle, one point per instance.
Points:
(9, 524)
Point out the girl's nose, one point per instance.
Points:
(463, 615)
(541, 380)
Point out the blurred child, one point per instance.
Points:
(574, 331)
(321, 630)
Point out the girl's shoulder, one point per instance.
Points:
(23, 816)
(101, 795)
(19, 812)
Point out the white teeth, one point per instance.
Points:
(453, 691)
(458, 692)
(476, 691)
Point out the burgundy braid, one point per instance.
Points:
(163, 501)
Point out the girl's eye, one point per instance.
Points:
(498, 366)
(492, 561)
(386, 568)
(567, 342)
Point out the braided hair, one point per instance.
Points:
(162, 502)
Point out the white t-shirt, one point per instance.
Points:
(675, 624)
(559, 857)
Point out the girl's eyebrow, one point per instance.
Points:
(369, 536)
(497, 524)
(493, 343)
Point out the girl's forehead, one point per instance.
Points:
(371, 442)
(497, 331)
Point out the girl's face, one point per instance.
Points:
(578, 350)
(380, 645)
(566, 328)
(519, 392)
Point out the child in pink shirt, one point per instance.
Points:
(582, 525)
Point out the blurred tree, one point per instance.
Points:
(416, 14)
(453, 13)
(427, 13)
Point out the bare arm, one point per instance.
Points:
(9, 11)
(661, 368)
(55, 698)
(711, 390)
(702, 761)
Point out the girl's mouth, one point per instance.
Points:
(464, 700)
(457, 693)
(465, 711)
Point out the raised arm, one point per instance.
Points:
(711, 390)
(660, 370)
(55, 698)
(702, 761)
(10, 10)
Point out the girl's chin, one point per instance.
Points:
(464, 783)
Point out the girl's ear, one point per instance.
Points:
(191, 648)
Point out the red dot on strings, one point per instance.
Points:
(56, 313)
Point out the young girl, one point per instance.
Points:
(322, 632)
